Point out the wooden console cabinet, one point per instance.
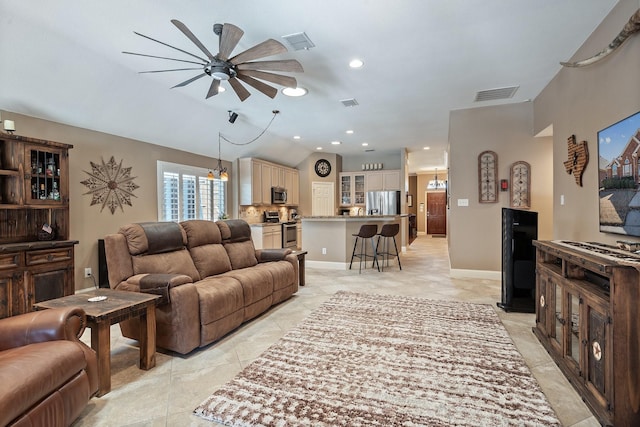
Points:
(34, 191)
(588, 319)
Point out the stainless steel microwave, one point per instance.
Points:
(278, 195)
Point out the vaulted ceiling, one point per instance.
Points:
(62, 61)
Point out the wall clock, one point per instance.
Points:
(520, 185)
(488, 177)
(323, 168)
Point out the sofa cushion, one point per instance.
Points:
(236, 237)
(154, 237)
(282, 273)
(27, 376)
(257, 283)
(205, 246)
(176, 262)
(219, 297)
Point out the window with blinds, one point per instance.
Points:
(187, 193)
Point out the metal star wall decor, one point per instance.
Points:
(110, 185)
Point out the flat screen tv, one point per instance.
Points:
(619, 177)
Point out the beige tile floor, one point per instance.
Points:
(167, 394)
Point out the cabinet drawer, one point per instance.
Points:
(49, 255)
(9, 261)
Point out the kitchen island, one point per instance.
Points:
(329, 240)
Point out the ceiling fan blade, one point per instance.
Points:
(172, 47)
(286, 65)
(266, 48)
(192, 37)
(229, 39)
(270, 91)
(270, 77)
(192, 79)
(213, 89)
(164, 57)
(164, 71)
(240, 90)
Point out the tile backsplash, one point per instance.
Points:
(255, 214)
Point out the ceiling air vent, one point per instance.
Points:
(299, 41)
(351, 102)
(495, 94)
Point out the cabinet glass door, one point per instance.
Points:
(558, 331)
(573, 350)
(358, 190)
(44, 185)
(345, 190)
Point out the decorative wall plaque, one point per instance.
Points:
(578, 157)
(520, 185)
(110, 185)
(488, 177)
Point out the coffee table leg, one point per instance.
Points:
(148, 338)
(101, 343)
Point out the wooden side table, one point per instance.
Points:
(118, 306)
(300, 255)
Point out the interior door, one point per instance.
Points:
(436, 213)
(322, 203)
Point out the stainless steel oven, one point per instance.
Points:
(289, 234)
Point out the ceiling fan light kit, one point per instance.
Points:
(241, 67)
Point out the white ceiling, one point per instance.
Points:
(61, 60)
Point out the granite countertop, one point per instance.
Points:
(355, 217)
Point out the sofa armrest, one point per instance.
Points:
(158, 284)
(41, 326)
(266, 255)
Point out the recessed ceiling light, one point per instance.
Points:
(296, 137)
(365, 144)
(336, 142)
(426, 148)
(349, 132)
(294, 91)
(356, 63)
(318, 148)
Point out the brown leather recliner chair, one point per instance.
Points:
(47, 375)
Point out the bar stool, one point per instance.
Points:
(388, 231)
(367, 231)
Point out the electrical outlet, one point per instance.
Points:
(87, 272)
(324, 251)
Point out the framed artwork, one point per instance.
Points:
(409, 200)
(618, 177)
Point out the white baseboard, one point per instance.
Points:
(327, 265)
(475, 274)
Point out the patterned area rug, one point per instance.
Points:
(382, 360)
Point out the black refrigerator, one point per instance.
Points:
(519, 230)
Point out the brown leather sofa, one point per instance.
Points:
(210, 275)
(47, 375)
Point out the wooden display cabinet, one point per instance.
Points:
(587, 315)
(34, 192)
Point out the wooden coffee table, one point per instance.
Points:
(118, 306)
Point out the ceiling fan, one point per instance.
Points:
(236, 68)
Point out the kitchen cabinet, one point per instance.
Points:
(352, 188)
(383, 180)
(34, 194)
(292, 185)
(266, 236)
(586, 315)
(256, 177)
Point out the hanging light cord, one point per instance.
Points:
(220, 136)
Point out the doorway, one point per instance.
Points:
(323, 199)
(436, 214)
